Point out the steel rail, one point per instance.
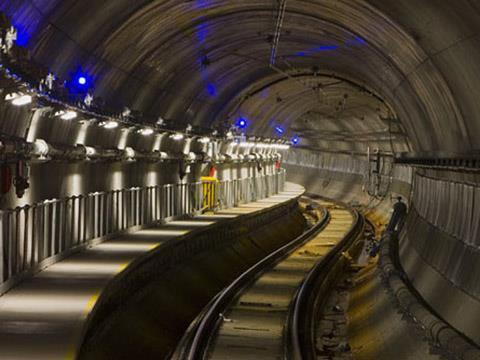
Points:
(196, 342)
(300, 337)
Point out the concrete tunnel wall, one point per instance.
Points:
(420, 57)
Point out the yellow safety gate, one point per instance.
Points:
(209, 192)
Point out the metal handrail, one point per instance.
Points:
(33, 236)
(230, 193)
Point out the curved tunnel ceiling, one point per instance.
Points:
(345, 70)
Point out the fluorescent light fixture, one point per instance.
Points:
(146, 131)
(41, 147)
(22, 100)
(49, 201)
(204, 140)
(90, 151)
(130, 154)
(11, 96)
(66, 115)
(69, 115)
(262, 145)
(19, 99)
(110, 124)
(177, 136)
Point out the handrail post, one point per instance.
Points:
(33, 233)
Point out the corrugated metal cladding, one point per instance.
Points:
(452, 258)
(453, 207)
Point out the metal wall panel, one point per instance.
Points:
(453, 207)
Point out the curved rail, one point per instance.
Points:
(194, 345)
(300, 328)
(298, 343)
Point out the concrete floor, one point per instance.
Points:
(43, 317)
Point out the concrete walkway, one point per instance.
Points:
(43, 317)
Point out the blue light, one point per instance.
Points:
(242, 123)
(356, 41)
(352, 42)
(202, 32)
(22, 36)
(279, 130)
(295, 140)
(325, 48)
(202, 4)
(317, 49)
(80, 82)
(212, 90)
(360, 40)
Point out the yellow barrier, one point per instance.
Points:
(209, 188)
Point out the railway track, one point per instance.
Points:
(266, 312)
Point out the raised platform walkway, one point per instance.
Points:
(43, 317)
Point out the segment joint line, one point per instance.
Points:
(278, 30)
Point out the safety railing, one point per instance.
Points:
(230, 193)
(33, 235)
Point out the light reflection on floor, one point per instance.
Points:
(43, 304)
(216, 216)
(42, 317)
(186, 223)
(95, 268)
(113, 246)
(162, 232)
(255, 206)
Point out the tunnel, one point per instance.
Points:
(271, 179)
